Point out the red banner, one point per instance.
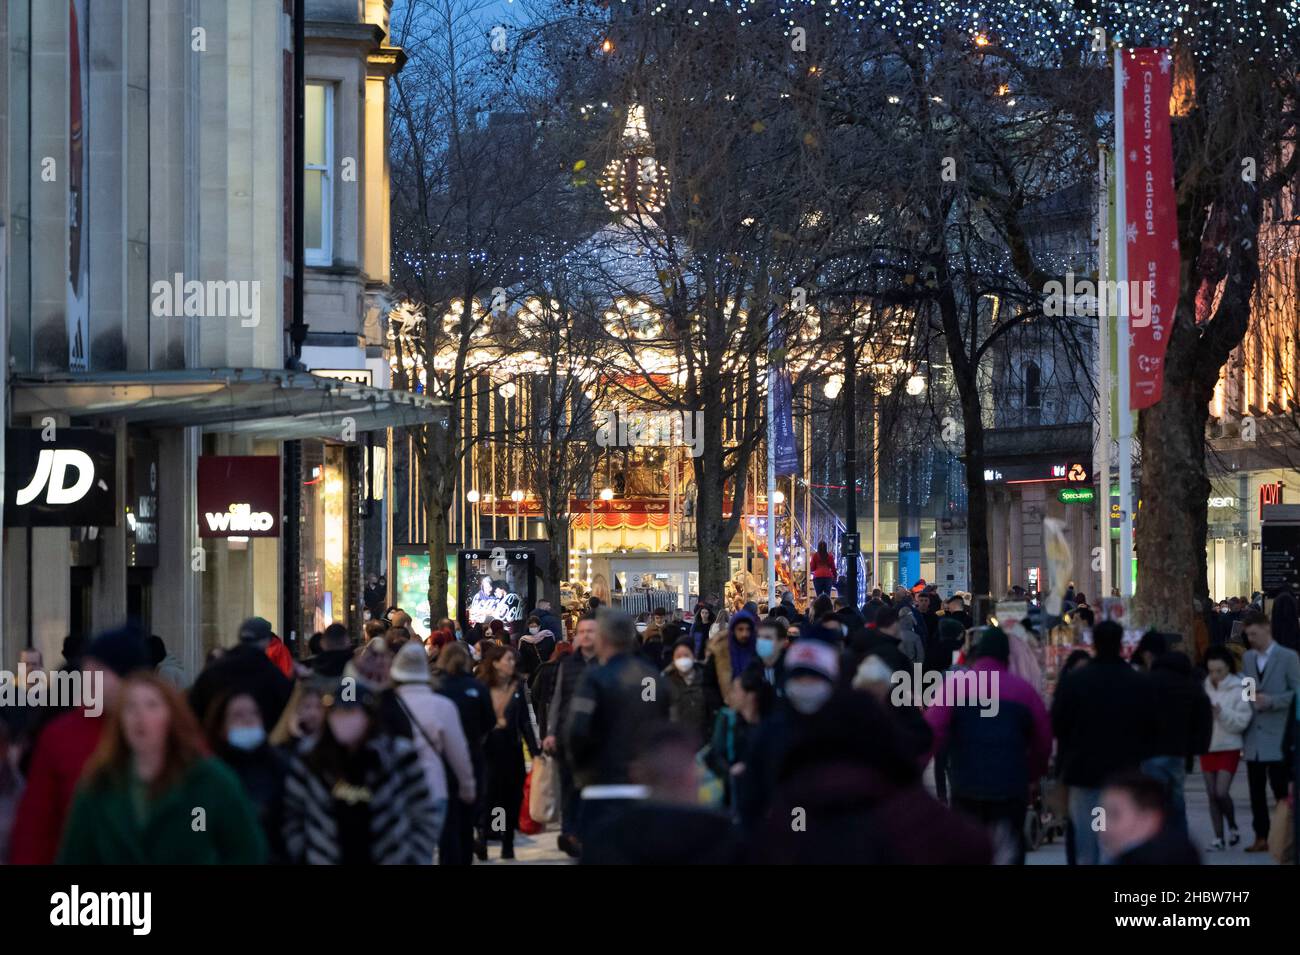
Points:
(1151, 220)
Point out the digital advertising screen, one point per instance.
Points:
(411, 588)
(496, 584)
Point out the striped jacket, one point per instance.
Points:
(403, 817)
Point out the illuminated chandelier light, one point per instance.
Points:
(634, 319)
(635, 183)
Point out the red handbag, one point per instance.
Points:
(526, 824)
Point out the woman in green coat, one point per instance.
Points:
(151, 794)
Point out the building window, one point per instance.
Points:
(1033, 386)
(318, 174)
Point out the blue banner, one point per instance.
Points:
(786, 454)
(909, 561)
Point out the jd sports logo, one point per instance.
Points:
(51, 476)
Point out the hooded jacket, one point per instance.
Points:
(728, 656)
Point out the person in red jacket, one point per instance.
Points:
(280, 655)
(823, 570)
(65, 746)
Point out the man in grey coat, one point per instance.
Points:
(1272, 675)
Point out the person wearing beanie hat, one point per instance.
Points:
(65, 746)
(438, 735)
(122, 650)
(812, 668)
(998, 738)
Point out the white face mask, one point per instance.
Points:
(534, 630)
(806, 696)
(684, 664)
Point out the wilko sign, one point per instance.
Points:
(239, 495)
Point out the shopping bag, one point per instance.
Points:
(526, 824)
(544, 797)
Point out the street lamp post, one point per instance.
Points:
(850, 466)
(472, 496)
(606, 494)
(517, 496)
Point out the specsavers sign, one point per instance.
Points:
(239, 495)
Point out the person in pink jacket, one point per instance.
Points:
(999, 739)
(436, 728)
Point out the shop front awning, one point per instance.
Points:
(264, 403)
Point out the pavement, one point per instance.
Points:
(540, 849)
(1198, 822)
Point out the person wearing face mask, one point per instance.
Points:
(359, 796)
(535, 647)
(770, 646)
(691, 704)
(238, 738)
(812, 670)
(844, 770)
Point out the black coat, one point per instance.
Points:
(542, 684)
(1104, 717)
(692, 701)
(262, 772)
(655, 833)
(243, 669)
(571, 669)
(477, 717)
(533, 655)
(1167, 848)
(608, 719)
(331, 662)
(1185, 719)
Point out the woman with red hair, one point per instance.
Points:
(153, 795)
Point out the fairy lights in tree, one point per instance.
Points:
(1043, 28)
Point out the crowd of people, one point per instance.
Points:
(895, 732)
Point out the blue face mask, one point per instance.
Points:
(246, 738)
(766, 647)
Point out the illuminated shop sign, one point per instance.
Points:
(239, 495)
